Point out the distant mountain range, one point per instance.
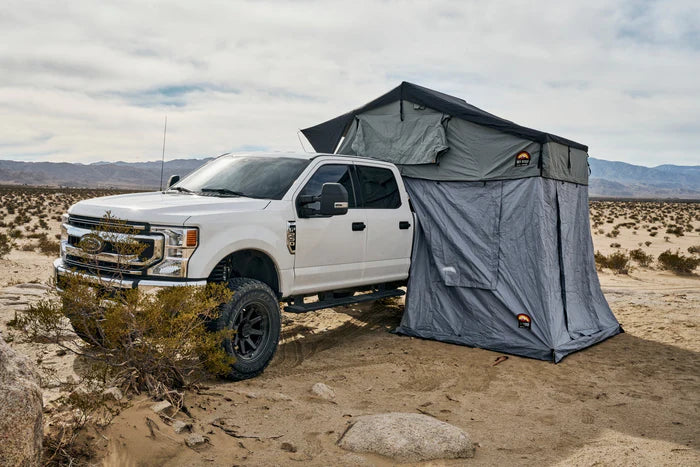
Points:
(623, 180)
(608, 178)
(132, 175)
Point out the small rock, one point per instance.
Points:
(289, 447)
(323, 391)
(179, 426)
(195, 440)
(162, 406)
(61, 352)
(407, 437)
(114, 393)
(278, 397)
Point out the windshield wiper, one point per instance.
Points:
(180, 189)
(223, 191)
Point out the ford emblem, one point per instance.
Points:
(91, 244)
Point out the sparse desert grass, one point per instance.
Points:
(30, 216)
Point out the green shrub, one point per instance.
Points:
(677, 262)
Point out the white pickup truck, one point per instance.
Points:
(275, 227)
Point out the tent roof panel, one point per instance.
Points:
(325, 136)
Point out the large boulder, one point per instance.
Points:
(21, 424)
(407, 437)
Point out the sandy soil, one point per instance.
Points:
(631, 400)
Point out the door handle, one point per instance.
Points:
(358, 226)
(403, 225)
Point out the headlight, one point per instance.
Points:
(64, 234)
(180, 243)
(64, 227)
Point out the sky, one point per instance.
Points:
(86, 81)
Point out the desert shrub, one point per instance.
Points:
(653, 233)
(615, 245)
(678, 262)
(5, 245)
(617, 262)
(695, 249)
(642, 258)
(613, 233)
(647, 243)
(28, 247)
(15, 233)
(49, 247)
(149, 342)
(675, 230)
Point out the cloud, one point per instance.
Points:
(89, 81)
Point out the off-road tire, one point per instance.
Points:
(254, 313)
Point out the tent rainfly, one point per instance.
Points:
(503, 255)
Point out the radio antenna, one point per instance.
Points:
(162, 161)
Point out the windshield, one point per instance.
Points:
(249, 176)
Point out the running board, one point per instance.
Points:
(344, 301)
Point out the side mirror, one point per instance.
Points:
(334, 199)
(173, 180)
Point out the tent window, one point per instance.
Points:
(329, 173)
(378, 188)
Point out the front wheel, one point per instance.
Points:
(253, 313)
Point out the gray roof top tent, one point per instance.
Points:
(503, 255)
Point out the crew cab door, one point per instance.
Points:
(330, 251)
(389, 222)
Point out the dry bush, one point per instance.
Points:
(675, 230)
(694, 249)
(678, 262)
(617, 262)
(49, 247)
(5, 245)
(642, 258)
(149, 342)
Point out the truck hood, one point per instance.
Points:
(164, 208)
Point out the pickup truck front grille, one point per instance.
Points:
(92, 244)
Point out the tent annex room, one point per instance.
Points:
(503, 256)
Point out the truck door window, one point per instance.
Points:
(378, 188)
(329, 173)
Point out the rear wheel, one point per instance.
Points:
(253, 313)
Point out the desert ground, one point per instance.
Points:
(631, 400)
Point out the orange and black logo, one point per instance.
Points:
(522, 158)
(524, 321)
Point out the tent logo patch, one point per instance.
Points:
(524, 321)
(522, 159)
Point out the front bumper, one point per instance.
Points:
(60, 269)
